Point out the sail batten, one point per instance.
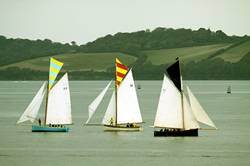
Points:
(93, 106)
(59, 103)
(32, 110)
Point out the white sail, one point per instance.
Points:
(93, 106)
(198, 111)
(110, 112)
(32, 110)
(59, 105)
(169, 111)
(189, 119)
(128, 110)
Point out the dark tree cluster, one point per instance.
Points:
(15, 50)
(159, 38)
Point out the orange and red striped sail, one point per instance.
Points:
(121, 71)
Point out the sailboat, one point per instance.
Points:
(178, 113)
(58, 104)
(123, 111)
(229, 89)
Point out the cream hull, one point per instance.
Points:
(122, 128)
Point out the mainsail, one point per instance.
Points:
(93, 106)
(32, 110)
(128, 110)
(169, 111)
(59, 104)
(198, 111)
(109, 116)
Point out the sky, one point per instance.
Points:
(86, 20)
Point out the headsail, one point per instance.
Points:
(59, 104)
(169, 111)
(32, 110)
(189, 120)
(198, 111)
(128, 110)
(93, 106)
(109, 116)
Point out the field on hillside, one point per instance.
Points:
(235, 54)
(78, 61)
(186, 54)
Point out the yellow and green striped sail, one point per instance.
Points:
(55, 67)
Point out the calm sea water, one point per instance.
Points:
(229, 145)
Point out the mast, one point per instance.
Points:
(115, 103)
(181, 90)
(120, 73)
(46, 105)
(182, 110)
(54, 68)
(174, 73)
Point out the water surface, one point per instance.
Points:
(229, 145)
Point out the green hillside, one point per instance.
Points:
(187, 54)
(77, 61)
(235, 54)
(204, 54)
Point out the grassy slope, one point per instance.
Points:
(78, 61)
(186, 54)
(102, 61)
(235, 54)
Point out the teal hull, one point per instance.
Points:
(36, 128)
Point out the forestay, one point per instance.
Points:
(59, 105)
(128, 110)
(109, 116)
(32, 110)
(198, 111)
(93, 106)
(169, 111)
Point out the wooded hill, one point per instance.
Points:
(204, 55)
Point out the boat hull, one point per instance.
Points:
(122, 128)
(36, 128)
(176, 133)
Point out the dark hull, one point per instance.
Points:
(179, 133)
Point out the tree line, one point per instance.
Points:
(207, 69)
(15, 50)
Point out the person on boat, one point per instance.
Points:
(39, 121)
(111, 121)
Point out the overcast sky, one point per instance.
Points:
(85, 20)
